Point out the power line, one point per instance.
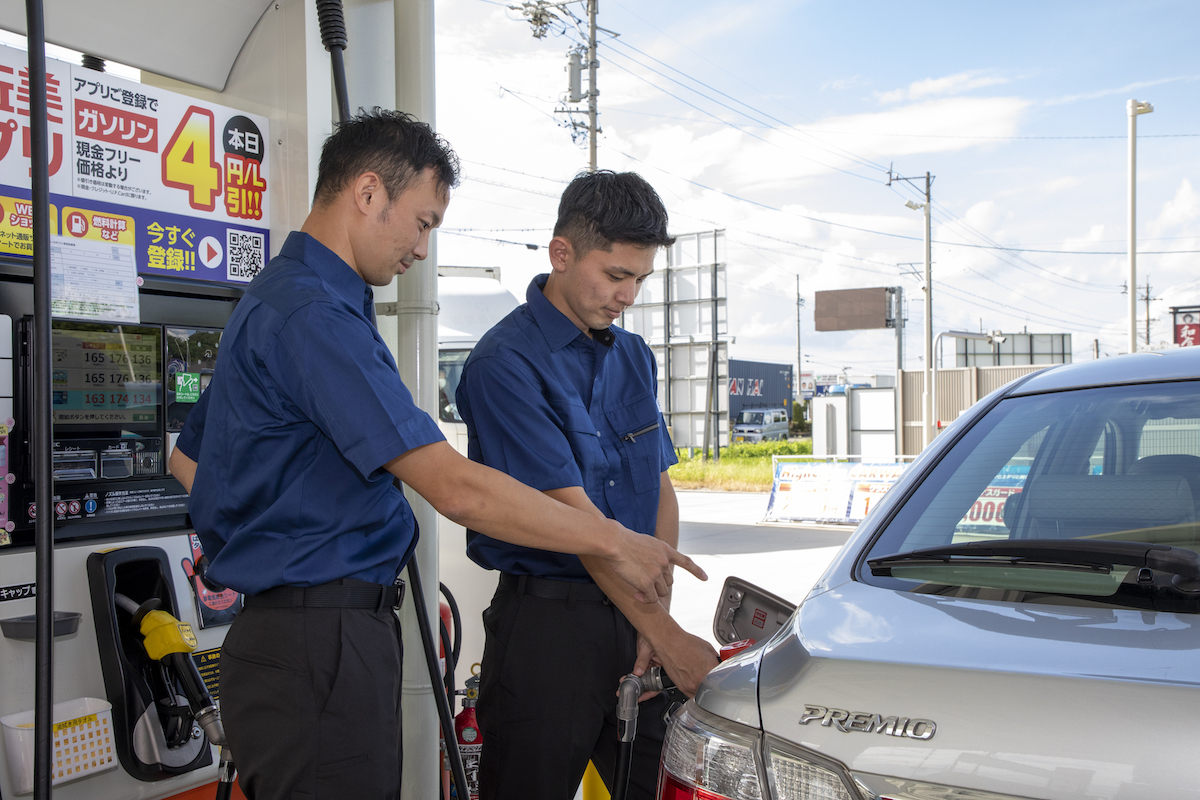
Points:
(486, 182)
(496, 230)
(526, 245)
(994, 246)
(732, 125)
(1019, 311)
(762, 205)
(760, 249)
(1006, 138)
(506, 206)
(514, 171)
(786, 126)
(820, 249)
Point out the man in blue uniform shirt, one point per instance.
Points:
(561, 400)
(290, 457)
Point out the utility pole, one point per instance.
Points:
(799, 359)
(593, 92)
(1148, 298)
(927, 395)
(541, 16)
(1133, 108)
(898, 313)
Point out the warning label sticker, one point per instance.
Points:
(208, 663)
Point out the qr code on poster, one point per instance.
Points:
(245, 254)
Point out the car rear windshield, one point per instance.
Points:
(1110, 463)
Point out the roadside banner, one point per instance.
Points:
(986, 515)
(824, 491)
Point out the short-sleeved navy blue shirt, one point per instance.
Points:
(290, 438)
(554, 408)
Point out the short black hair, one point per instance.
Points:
(599, 209)
(395, 145)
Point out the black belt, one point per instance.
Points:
(548, 589)
(330, 595)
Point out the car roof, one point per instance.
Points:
(1149, 367)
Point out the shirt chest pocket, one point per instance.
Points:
(639, 437)
(581, 433)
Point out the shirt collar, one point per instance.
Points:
(554, 325)
(332, 269)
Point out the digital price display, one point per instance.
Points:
(106, 375)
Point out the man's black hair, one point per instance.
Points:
(599, 209)
(395, 145)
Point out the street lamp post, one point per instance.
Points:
(927, 395)
(1134, 108)
(995, 337)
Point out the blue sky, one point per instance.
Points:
(760, 117)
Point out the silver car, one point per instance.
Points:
(760, 425)
(1018, 618)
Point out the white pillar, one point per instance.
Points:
(417, 356)
(390, 63)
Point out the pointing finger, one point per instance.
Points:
(691, 566)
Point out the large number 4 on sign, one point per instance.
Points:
(187, 161)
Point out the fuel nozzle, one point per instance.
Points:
(632, 687)
(171, 642)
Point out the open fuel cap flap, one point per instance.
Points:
(746, 611)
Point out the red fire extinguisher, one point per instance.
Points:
(470, 740)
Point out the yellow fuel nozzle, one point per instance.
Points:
(164, 635)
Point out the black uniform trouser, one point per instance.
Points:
(310, 699)
(548, 698)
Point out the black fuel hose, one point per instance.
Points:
(226, 772)
(456, 618)
(39, 160)
(632, 687)
(443, 704)
(333, 35)
(624, 763)
(448, 680)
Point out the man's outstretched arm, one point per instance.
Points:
(488, 501)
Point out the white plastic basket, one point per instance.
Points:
(83, 742)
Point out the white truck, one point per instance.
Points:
(471, 300)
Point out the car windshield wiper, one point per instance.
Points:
(1095, 554)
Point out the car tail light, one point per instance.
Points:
(706, 757)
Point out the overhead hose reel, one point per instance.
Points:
(333, 35)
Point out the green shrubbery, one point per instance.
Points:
(743, 467)
(801, 447)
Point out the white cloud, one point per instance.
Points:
(1127, 89)
(1060, 184)
(941, 87)
(1180, 210)
(777, 159)
(841, 84)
